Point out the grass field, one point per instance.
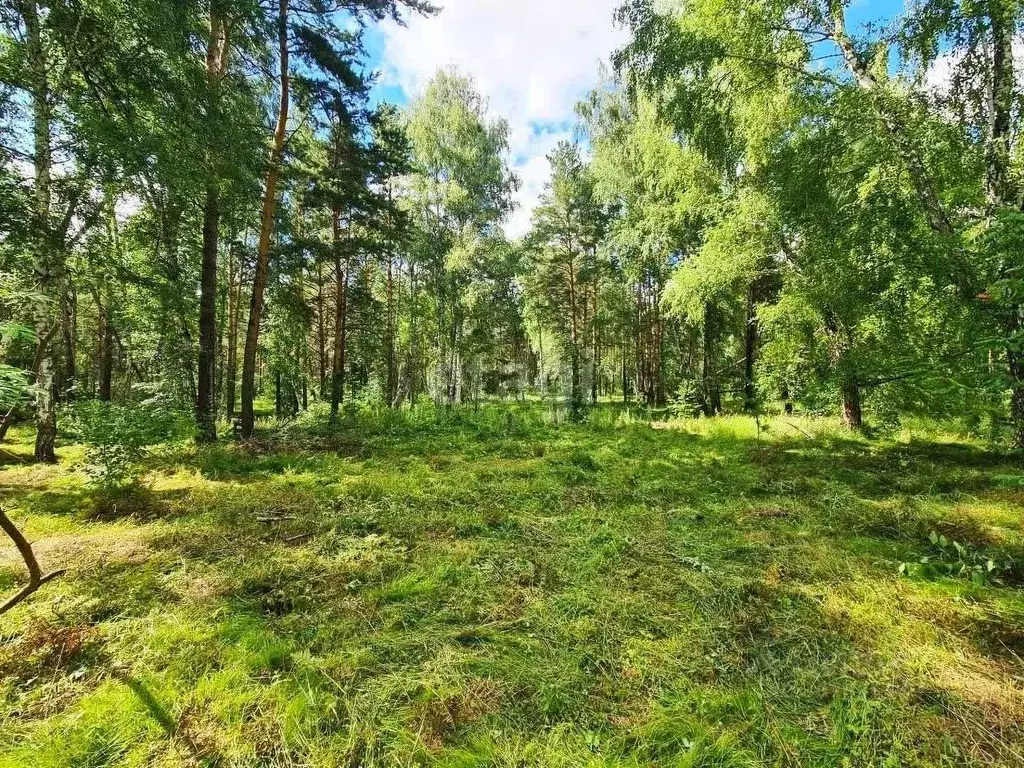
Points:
(487, 589)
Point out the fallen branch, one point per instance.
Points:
(300, 538)
(794, 426)
(272, 520)
(36, 579)
(14, 456)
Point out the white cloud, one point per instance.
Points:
(532, 59)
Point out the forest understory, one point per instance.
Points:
(558, 383)
(485, 587)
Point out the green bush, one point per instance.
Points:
(117, 437)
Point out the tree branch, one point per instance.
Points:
(36, 579)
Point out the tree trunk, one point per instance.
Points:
(46, 265)
(321, 329)
(340, 321)
(750, 349)
(205, 408)
(392, 383)
(625, 375)
(278, 401)
(712, 390)
(206, 415)
(260, 277)
(576, 393)
(1016, 362)
(105, 372)
(998, 182)
(853, 418)
(413, 367)
(231, 372)
(1000, 186)
(596, 360)
(5, 423)
(69, 325)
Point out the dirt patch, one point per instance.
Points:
(82, 550)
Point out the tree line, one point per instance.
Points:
(763, 208)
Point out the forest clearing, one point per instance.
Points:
(490, 589)
(622, 383)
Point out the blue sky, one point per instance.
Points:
(532, 59)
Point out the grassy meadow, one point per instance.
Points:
(492, 589)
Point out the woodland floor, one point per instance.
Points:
(484, 589)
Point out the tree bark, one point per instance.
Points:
(46, 265)
(998, 183)
(1017, 397)
(625, 375)
(414, 358)
(750, 349)
(105, 372)
(5, 423)
(205, 408)
(1000, 187)
(340, 329)
(1015, 359)
(261, 275)
(321, 329)
(206, 415)
(392, 382)
(595, 362)
(712, 390)
(69, 326)
(576, 402)
(231, 367)
(853, 417)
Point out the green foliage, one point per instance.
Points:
(955, 560)
(117, 436)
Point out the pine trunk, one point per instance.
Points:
(261, 275)
(321, 329)
(205, 407)
(105, 371)
(340, 322)
(392, 383)
(231, 367)
(206, 414)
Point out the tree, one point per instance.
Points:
(749, 86)
(460, 192)
(564, 237)
(325, 47)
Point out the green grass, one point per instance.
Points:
(491, 589)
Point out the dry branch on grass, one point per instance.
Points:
(36, 579)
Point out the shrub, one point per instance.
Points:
(117, 437)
